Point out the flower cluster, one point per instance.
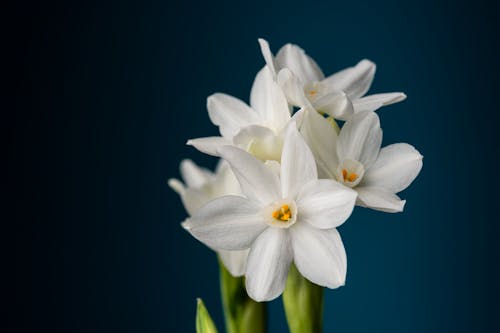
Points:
(286, 180)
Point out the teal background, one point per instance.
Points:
(109, 92)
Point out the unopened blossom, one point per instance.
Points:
(285, 219)
(201, 186)
(257, 128)
(339, 95)
(355, 158)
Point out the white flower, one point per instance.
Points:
(257, 128)
(285, 219)
(339, 95)
(355, 159)
(203, 186)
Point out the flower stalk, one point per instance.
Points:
(241, 313)
(303, 302)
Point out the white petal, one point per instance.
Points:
(227, 223)
(257, 181)
(267, 265)
(325, 204)
(354, 81)
(269, 101)
(230, 114)
(321, 137)
(293, 57)
(193, 199)
(374, 102)
(274, 166)
(293, 88)
(209, 145)
(267, 54)
(225, 182)
(234, 261)
(379, 199)
(177, 186)
(335, 104)
(261, 142)
(193, 175)
(319, 255)
(396, 167)
(360, 138)
(297, 163)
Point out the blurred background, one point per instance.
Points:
(107, 93)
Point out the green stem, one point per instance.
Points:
(241, 313)
(303, 301)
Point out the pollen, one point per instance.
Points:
(350, 177)
(283, 214)
(312, 92)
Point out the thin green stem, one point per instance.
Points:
(303, 302)
(241, 313)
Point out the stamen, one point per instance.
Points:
(283, 214)
(350, 177)
(312, 92)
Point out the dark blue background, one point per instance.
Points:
(110, 92)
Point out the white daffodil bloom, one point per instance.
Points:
(355, 159)
(257, 128)
(285, 219)
(339, 95)
(202, 186)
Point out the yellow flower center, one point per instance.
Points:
(312, 92)
(349, 176)
(283, 214)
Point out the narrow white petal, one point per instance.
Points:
(396, 167)
(177, 186)
(374, 102)
(379, 199)
(227, 223)
(267, 265)
(297, 163)
(319, 255)
(293, 88)
(234, 261)
(293, 57)
(269, 101)
(354, 81)
(267, 54)
(193, 175)
(259, 95)
(209, 145)
(225, 182)
(360, 138)
(193, 199)
(321, 137)
(335, 104)
(230, 114)
(325, 204)
(257, 181)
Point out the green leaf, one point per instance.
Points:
(204, 323)
(303, 301)
(241, 313)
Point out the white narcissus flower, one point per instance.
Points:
(291, 218)
(355, 158)
(257, 128)
(202, 186)
(339, 95)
